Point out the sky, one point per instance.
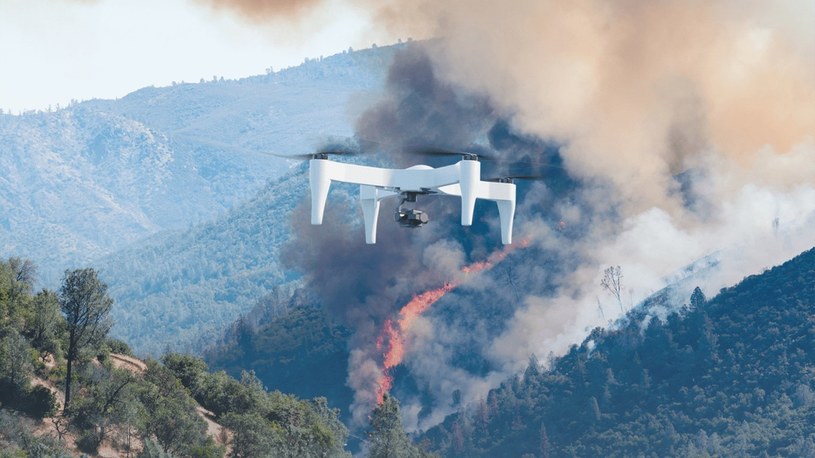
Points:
(55, 51)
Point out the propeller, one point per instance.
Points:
(512, 178)
(339, 149)
(481, 153)
(524, 170)
(330, 150)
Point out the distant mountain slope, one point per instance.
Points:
(732, 376)
(178, 288)
(86, 180)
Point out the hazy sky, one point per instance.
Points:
(52, 51)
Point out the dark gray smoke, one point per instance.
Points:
(363, 285)
(419, 110)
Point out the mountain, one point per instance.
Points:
(728, 376)
(84, 181)
(176, 288)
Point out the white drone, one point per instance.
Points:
(461, 179)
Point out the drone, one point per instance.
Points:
(462, 179)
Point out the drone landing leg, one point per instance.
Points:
(506, 212)
(470, 178)
(370, 212)
(320, 183)
(369, 197)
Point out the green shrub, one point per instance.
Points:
(118, 346)
(89, 442)
(40, 402)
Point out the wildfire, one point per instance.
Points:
(391, 340)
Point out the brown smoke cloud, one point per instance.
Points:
(639, 90)
(262, 10)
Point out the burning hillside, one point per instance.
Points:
(680, 128)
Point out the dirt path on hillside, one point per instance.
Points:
(130, 363)
(215, 430)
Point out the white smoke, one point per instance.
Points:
(720, 94)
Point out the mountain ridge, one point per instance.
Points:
(165, 158)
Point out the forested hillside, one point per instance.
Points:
(178, 287)
(730, 376)
(179, 291)
(291, 344)
(165, 158)
(67, 388)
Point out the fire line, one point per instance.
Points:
(391, 340)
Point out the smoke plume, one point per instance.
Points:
(667, 131)
(260, 11)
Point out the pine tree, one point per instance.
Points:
(387, 439)
(697, 298)
(44, 323)
(85, 303)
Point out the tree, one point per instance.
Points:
(24, 270)
(15, 364)
(106, 405)
(44, 323)
(84, 301)
(612, 282)
(16, 279)
(253, 435)
(387, 439)
(697, 299)
(532, 371)
(189, 369)
(173, 420)
(152, 449)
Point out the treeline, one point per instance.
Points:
(65, 385)
(730, 376)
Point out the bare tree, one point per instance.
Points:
(61, 423)
(612, 282)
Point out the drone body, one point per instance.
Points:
(375, 184)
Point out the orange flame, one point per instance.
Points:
(391, 340)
